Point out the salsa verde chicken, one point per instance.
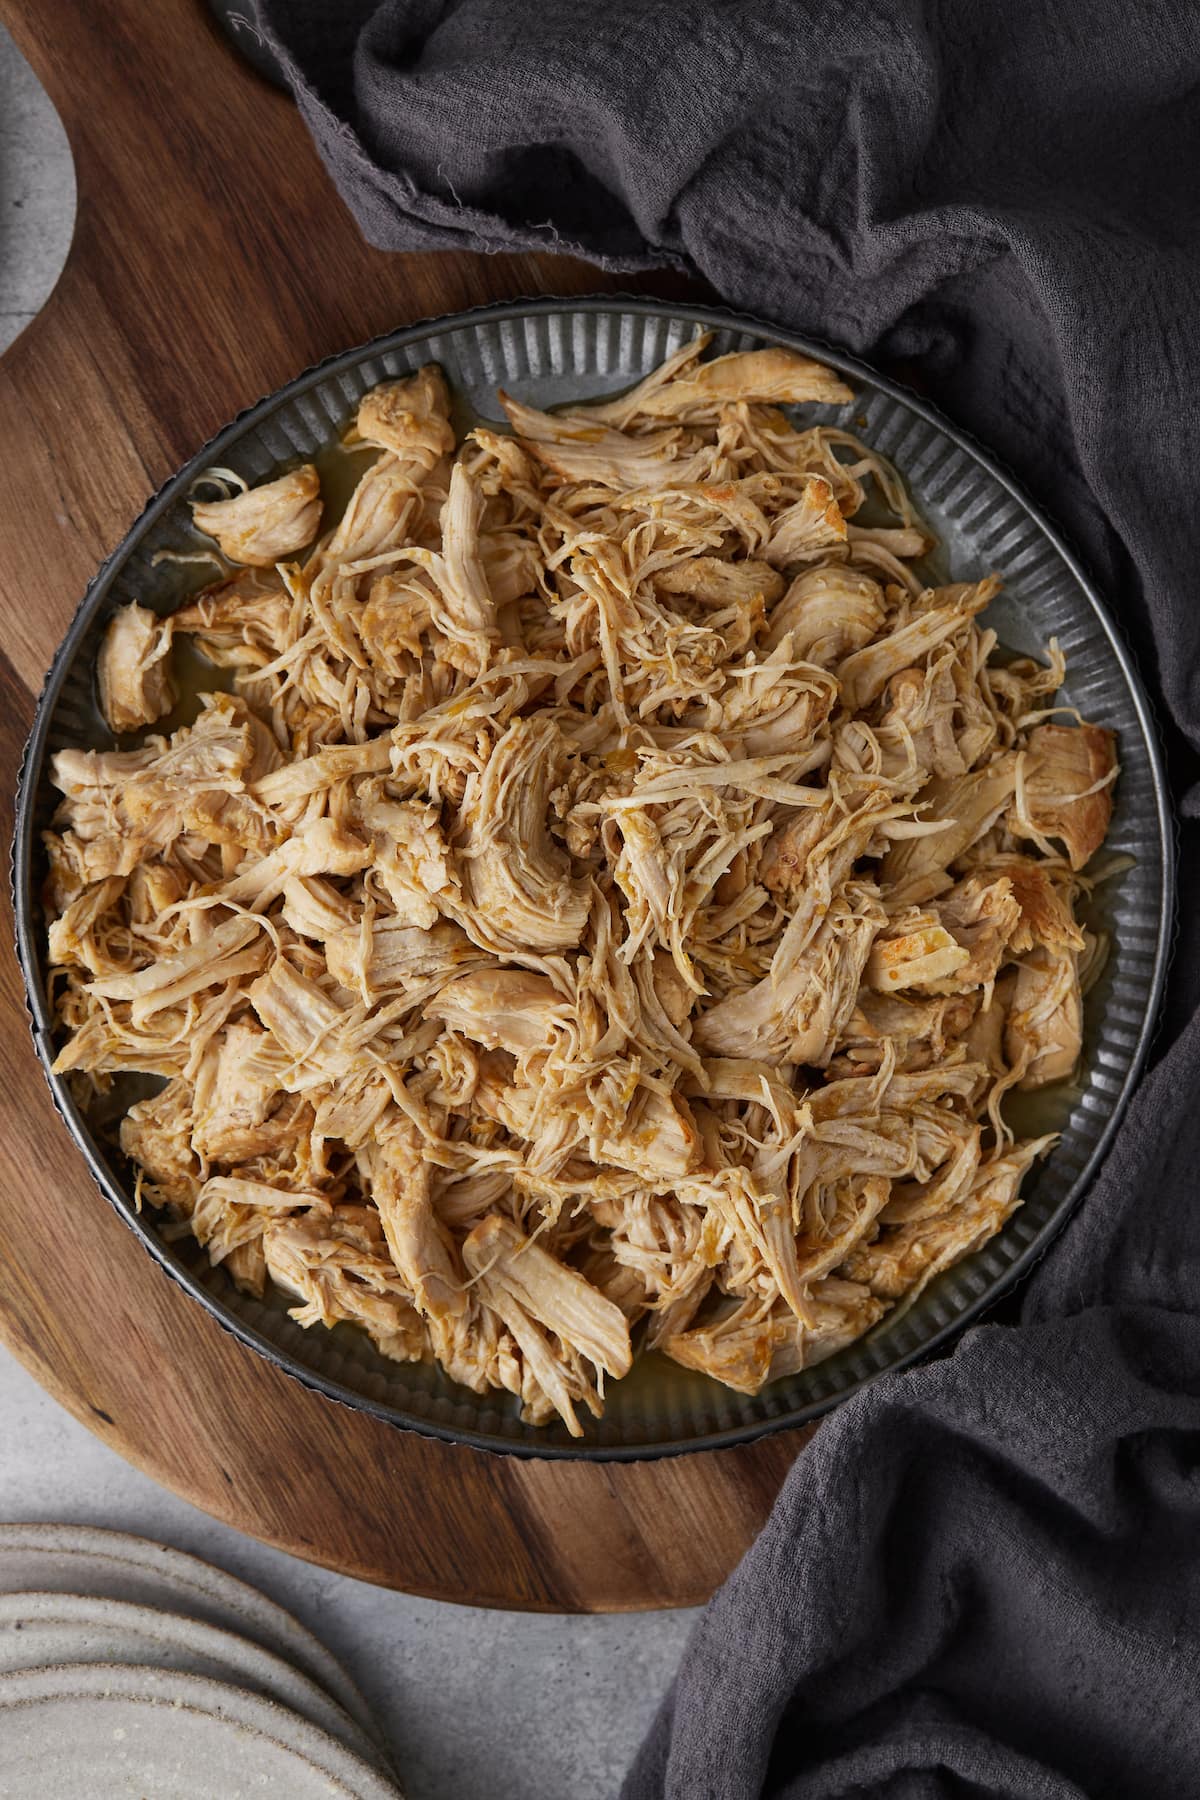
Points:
(603, 902)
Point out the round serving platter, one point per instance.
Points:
(548, 352)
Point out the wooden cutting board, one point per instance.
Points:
(212, 261)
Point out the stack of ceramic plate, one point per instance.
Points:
(128, 1669)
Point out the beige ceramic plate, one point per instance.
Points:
(112, 1565)
(84, 1733)
(37, 1630)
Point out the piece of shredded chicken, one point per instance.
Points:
(133, 673)
(262, 525)
(602, 902)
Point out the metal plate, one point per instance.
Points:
(547, 352)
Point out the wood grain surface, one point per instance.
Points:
(212, 261)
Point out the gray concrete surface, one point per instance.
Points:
(477, 1705)
(37, 193)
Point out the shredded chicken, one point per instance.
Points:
(134, 670)
(1067, 788)
(264, 524)
(615, 896)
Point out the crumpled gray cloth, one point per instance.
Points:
(983, 1578)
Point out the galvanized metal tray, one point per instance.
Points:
(549, 351)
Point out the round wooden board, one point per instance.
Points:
(212, 260)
